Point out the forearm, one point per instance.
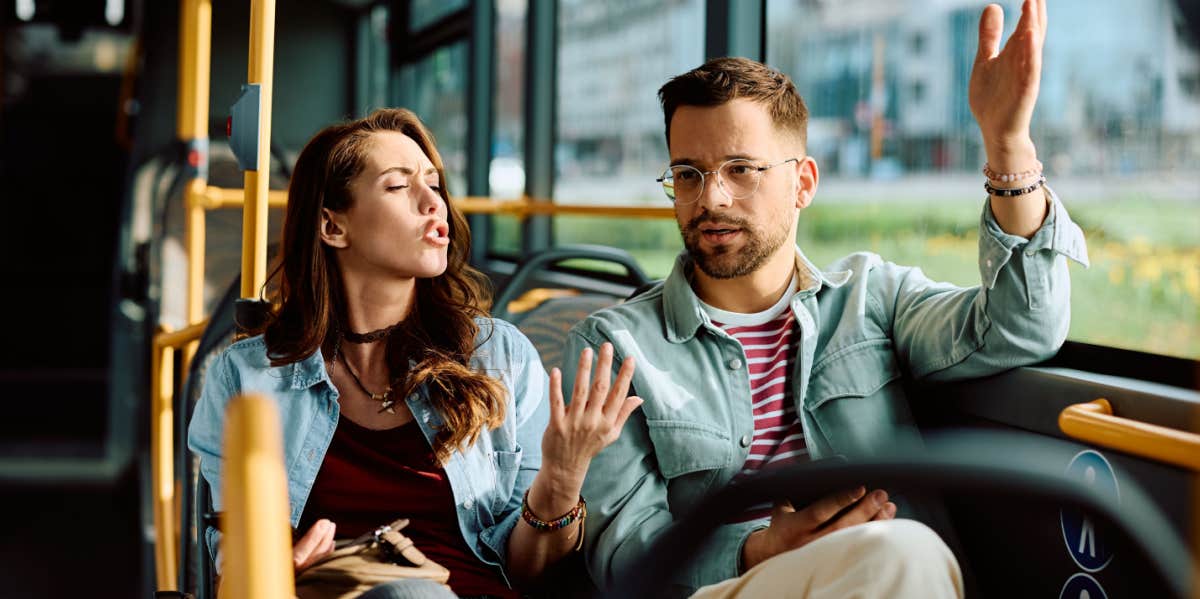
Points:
(1018, 215)
(531, 551)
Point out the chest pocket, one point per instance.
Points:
(857, 398)
(690, 455)
(505, 465)
(856, 371)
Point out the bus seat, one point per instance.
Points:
(546, 325)
(545, 312)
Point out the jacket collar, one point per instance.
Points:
(681, 305)
(308, 372)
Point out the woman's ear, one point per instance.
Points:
(807, 176)
(333, 229)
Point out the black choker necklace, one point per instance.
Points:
(371, 337)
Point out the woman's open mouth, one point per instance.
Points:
(437, 233)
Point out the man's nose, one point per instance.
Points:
(712, 195)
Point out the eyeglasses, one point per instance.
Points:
(737, 179)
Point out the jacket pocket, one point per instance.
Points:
(684, 446)
(505, 465)
(855, 371)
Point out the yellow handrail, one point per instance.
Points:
(1093, 422)
(256, 543)
(254, 213)
(162, 447)
(527, 206)
(216, 198)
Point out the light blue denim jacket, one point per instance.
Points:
(488, 479)
(863, 323)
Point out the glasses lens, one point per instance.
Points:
(740, 178)
(682, 183)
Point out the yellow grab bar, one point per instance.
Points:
(162, 447)
(256, 543)
(526, 206)
(1093, 422)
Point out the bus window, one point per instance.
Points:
(1117, 126)
(612, 58)
(506, 174)
(435, 87)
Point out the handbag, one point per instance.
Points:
(358, 565)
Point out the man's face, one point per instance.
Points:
(726, 237)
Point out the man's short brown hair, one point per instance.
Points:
(723, 79)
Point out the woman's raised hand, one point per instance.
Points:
(599, 408)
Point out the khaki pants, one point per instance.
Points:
(895, 558)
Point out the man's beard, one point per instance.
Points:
(724, 262)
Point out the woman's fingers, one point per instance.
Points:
(304, 549)
(583, 379)
(558, 408)
(601, 379)
(630, 404)
(617, 397)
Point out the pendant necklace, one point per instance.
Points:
(385, 398)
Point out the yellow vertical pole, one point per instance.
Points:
(162, 445)
(257, 541)
(254, 216)
(195, 65)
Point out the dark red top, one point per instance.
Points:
(372, 477)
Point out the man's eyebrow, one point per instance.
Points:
(725, 158)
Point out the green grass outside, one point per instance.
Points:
(1142, 291)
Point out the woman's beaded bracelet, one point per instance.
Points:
(1011, 177)
(578, 512)
(1019, 191)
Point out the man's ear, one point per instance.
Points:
(333, 229)
(806, 179)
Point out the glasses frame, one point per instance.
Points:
(720, 179)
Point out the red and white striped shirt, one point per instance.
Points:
(769, 341)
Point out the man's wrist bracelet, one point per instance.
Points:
(1008, 193)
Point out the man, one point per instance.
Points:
(749, 357)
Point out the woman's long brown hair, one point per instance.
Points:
(438, 335)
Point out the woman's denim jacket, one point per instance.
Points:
(862, 325)
(488, 479)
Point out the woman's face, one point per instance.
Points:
(396, 225)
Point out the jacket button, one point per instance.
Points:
(468, 504)
(745, 441)
(735, 364)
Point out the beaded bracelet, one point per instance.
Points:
(1019, 191)
(578, 512)
(1010, 177)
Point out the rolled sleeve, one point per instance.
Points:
(1057, 235)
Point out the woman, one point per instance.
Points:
(398, 396)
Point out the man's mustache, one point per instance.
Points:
(716, 219)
